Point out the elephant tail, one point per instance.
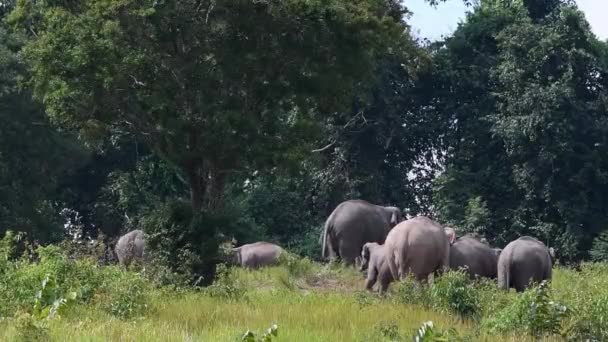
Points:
(324, 247)
(391, 257)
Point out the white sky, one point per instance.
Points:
(432, 22)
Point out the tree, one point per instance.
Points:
(525, 105)
(553, 117)
(212, 87)
(33, 156)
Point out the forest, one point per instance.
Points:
(202, 122)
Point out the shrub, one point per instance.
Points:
(295, 265)
(83, 281)
(226, 285)
(532, 313)
(455, 292)
(599, 249)
(122, 294)
(184, 243)
(250, 336)
(429, 333)
(409, 291)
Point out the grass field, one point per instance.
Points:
(308, 302)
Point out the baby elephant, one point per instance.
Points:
(255, 255)
(373, 257)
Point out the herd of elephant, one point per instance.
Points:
(378, 239)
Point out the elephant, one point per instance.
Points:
(352, 224)
(256, 255)
(522, 261)
(130, 247)
(478, 258)
(419, 246)
(373, 259)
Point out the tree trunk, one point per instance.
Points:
(214, 191)
(196, 188)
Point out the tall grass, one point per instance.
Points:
(308, 301)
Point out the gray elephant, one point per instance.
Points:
(373, 259)
(522, 261)
(255, 255)
(130, 247)
(419, 246)
(478, 258)
(352, 224)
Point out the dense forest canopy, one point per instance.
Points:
(200, 120)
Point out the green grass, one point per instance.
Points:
(308, 303)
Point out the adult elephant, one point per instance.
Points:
(419, 246)
(130, 247)
(476, 257)
(523, 261)
(256, 255)
(354, 223)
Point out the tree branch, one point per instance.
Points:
(324, 148)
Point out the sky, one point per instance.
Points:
(432, 23)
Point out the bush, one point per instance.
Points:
(83, 281)
(409, 291)
(226, 285)
(599, 249)
(455, 292)
(183, 243)
(532, 313)
(429, 333)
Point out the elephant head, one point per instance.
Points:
(234, 256)
(552, 254)
(451, 234)
(394, 214)
(365, 255)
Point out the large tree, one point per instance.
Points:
(214, 87)
(525, 95)
(33, 156)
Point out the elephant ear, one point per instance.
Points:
(451, 234)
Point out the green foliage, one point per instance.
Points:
(409, 291)
(31, 329)
(268, 336)
(389, 331)
(124, 296)
(183, 243)
(533, 313)
(454, 292)
(34, 158)
(517, 153)
(48, 304)
(599, 249)
(428, 333)
(66, 281)
(225, 285)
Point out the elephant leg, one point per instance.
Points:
(372, 276)
(348, 254)
(384, 279)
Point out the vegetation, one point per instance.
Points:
(57, 297)
(205, 122)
